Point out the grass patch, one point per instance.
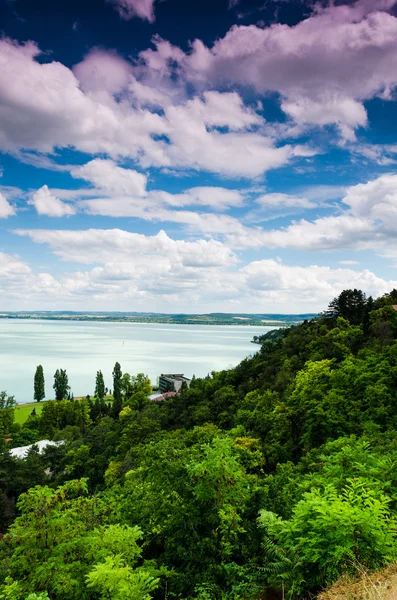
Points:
(22, 411)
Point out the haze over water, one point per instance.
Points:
(82, 348)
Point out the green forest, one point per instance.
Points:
(270, 480)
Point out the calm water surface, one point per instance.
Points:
(82, 348)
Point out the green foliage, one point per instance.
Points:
(350, 304)
(330, 533)
(117, 390)
(61, 384)
(57, 415)
(117, 580)
(7, 404)
(100, 390)
(63, 543)
(168, 494)
(39, 385)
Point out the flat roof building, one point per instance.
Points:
(172, 382)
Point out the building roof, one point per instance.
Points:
(161, 397)
(23, 451)
(177, 376)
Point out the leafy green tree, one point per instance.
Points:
(220, 480)
(7, 404)
(115, 579)
(100, 390)
(39, 385)
(328, 534)
(117, 390)
(63, 542)
(61, 384)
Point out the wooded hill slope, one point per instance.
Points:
(273, 478)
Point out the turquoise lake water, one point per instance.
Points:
(82, 348)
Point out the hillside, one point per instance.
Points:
(274, 479)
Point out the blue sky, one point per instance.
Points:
(192, 157)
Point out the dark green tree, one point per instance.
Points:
(61, 384)
(100, 389)
(39, 385)
(117, 398)
(350, 304)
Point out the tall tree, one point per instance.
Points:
(39, 385)
(7, 404)
(61, 384)
(117, 399)
(100, 390)
(350, 304)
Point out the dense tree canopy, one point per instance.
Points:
(279, 474)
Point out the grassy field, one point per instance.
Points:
(22, 411)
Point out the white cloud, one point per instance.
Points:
(103, 70)
(42, 107)
(200, 275)
(46, 203)
(6, 209)
(106, 176)
(100, 109)
(369, 221)
(104, 245)
(276, 200)
(308, 286)
(323, 68)
(346, 113)
(22, 286)
(143, 9)
(217, 198)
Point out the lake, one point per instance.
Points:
(82, 348)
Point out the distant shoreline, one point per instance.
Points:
(256, 320)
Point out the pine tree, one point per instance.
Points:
(39, 385)
(350, 304)
(99, 386)
(61, 384)
(117, 400)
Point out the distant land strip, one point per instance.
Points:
(257, 320)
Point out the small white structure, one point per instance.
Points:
(22, 451)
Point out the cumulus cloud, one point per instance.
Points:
(43, 107)
(304, 283)
(368, 221)
(6, 209)
(103, 70)
(104, 245)
(47, 204)
(21, 284)
(105, 175)
(102, 108)
(143, 9)
(131, 267)
(323, 68)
